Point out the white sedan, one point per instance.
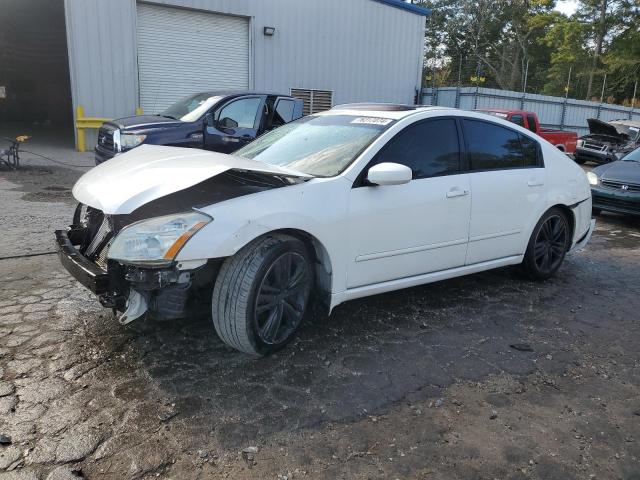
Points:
(358, 200)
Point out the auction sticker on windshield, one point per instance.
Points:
(372, 120)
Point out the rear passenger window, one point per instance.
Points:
(283, 113)
(530, 151)
(429, 148)
(491, 147)
(531, 120)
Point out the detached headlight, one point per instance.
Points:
(579, 143)
(593, 178)
(130, 140)
(157, 240)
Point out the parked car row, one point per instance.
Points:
(354, 201)
(219, 121)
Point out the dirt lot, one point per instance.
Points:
(422, 383)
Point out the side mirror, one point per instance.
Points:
(209, 120)
(227, 122)
(389, 174)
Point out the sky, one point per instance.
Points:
(568, 7)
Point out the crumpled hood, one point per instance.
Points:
(598, 127)
(146, 173)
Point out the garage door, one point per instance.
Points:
(181, 52)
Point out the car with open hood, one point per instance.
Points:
(615, 187)
(222, 121)
(607, 141)
(354, 201)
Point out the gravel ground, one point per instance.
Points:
(487, 376)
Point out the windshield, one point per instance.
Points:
(191, 108)
(632, 156)
(321, 146)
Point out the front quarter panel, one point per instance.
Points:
(317, 207)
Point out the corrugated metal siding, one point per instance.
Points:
(182, 52)
(361, 50)
(548, 108)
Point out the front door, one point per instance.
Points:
(234, 125)
(419, 227)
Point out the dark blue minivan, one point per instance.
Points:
(219, 121)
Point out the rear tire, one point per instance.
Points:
(262, 293)
(547, 246)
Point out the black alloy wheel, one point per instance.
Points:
(548, 245)
(551, 244)
(282, 297)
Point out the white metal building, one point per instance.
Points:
(113, 57)
(125, 54)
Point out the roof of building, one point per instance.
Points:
(406, 6)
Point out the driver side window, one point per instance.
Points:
(240, 113)
(429, 148)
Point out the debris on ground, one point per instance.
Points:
(522, 347)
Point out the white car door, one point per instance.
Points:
(508, 182)
(398, 231)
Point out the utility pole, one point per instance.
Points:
(602, 30)
(566, 89)
(604, 83)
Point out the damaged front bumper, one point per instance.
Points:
(134, 290)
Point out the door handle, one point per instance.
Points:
(535, 183)
(456, 192)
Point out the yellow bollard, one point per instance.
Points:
(79, 130)
(83, 122)
(139, 111)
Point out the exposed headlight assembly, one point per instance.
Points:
(157, 240)
(593, 178)
(579, 143)
(130, 140)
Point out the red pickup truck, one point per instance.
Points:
(565, 141)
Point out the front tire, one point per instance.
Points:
(578, 160)
(547, 246)
(261, 294)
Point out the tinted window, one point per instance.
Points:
(531, 120)
(240, 113)
(530, 151)
(429, 148)
(283, 113)
(491, 146)
(518, 120)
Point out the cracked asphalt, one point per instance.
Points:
(484, 377)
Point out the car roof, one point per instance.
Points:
(394, 111)
(236, 93)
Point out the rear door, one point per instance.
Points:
(279, 112)
(235, 124)
(507, 179)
